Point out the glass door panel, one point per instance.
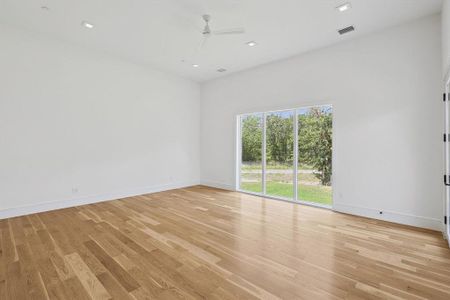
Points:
(279, 154)
(251, 153)
(315, 154)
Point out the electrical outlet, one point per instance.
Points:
(74, 190)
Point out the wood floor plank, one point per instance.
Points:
(205, 243)
(113, 287)
(15, 282)
(115, 269)
(89, 281)
(54, 287)
(75, 289)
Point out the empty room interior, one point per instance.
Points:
(224, 149)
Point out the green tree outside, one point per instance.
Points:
(251, 138)
(315, 141)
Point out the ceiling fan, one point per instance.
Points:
(207, 33)
(207, 30)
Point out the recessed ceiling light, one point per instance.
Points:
(45, 8)
(87, 25)
(221, 70)
(195, 65)
(344, 7)
(251, 44)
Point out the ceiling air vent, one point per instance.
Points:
(346, 30)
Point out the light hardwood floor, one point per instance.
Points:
(203, 243)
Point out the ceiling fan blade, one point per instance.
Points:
(229, 31)
(205, 40)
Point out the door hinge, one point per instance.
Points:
(445, 220)
(445, 137)
(445, 181)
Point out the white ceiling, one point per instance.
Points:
(167, 33)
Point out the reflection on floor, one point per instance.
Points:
(204, 243)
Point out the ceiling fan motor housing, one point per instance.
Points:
(207, 29)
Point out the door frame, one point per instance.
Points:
(238, 153)
(446, 212)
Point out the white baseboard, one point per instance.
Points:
(417, 221)
(48, 206)
(394, 217)
(218, 185)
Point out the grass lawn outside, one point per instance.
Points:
(310, 193)
(257, 166)
(279, 182)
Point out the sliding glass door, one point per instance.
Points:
(314, 154)
(287, 154)
(251, 136)
(280, 154)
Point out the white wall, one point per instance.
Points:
(386, 91)
(73, 118)
(446, 36)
